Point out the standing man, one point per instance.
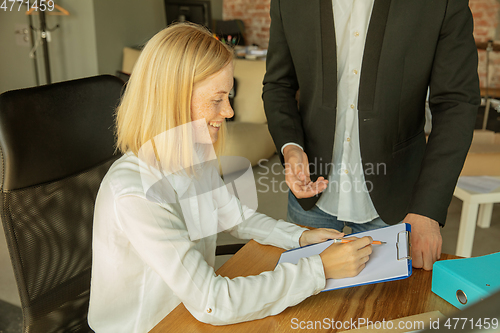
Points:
(363, 68)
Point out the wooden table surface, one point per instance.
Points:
(492, 92)
(376, 302)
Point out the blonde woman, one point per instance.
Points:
(147, 258)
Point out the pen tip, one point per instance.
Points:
(383, 242)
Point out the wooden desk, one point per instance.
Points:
(493, 92)
(376, 302)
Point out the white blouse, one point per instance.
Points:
(145, 262)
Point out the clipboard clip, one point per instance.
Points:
(404, 236)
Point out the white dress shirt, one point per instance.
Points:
(145, 263)
(347, 196)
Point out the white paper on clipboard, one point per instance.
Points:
(391, 261)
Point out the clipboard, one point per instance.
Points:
(388, 262)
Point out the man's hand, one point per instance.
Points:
(318, 235)
(426, 241)
(346, 260)
(297, 174)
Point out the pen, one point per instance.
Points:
(342, 240)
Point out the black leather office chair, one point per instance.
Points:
(56, 143)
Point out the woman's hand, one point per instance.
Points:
(318, 235)
(348, 259)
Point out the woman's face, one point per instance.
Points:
(210, 100)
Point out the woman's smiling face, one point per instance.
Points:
(210, 100)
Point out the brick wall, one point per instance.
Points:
(486, 15)
(255, 15)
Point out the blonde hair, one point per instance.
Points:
(158, 94)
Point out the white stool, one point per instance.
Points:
(472, 202)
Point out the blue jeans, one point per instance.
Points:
(317, 218)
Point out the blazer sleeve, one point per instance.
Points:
(454, 100)
(281, 86)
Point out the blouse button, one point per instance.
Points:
(209, 310)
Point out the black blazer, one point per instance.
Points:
(411, 45)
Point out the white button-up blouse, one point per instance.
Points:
(145, 263)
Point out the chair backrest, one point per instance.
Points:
(56, 143)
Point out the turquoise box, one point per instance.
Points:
(463, 282)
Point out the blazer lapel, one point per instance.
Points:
(371, 55)
(329, 54)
